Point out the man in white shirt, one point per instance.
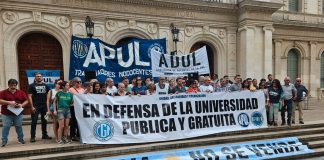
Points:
(111, 88)
(207, 87)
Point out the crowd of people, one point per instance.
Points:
(58, 102)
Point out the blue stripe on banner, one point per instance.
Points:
(49, 76)
(256, 150)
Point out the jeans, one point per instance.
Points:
(7, 121)
(286, 108)
(34, 116)
(273, 112)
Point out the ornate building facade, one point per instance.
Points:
(249, 37)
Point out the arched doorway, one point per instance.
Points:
(293, 65)
(37, 50)
(210, 55)
(124, 40)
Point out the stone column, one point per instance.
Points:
(314, 70)
(231, 48)
(267, 51)
(277, 59)
(247, 40)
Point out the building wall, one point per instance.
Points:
(251, 38)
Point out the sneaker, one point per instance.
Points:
(3, 144)
(32, 140)
(46, 137)
(275, 124)
(68, 141)
(21, 142)
(283, 123)
(292, 122)
(301, 122)
(60, 142)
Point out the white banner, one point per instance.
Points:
(166, 65)
(139, 119)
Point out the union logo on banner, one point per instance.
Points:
(80, 50)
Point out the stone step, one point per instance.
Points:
(113, 150)
(312, 137)
(316, 144)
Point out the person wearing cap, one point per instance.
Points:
(16, 98)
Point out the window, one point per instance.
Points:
(292, 65)
(293, 5)
(322, 70)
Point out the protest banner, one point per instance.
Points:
(139, 119)
(255, 150)
(49, 76)
(131, 58)
(166, 65)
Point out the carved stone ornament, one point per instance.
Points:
(111, 25)
(222, 33)
(132, 24)
(37, 16)
(189, 31)
(206, 29)
(63, 21)
(9, 17)
(151, 28)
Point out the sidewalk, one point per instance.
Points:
(315, 112)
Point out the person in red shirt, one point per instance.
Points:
(13, 98)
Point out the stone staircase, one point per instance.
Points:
(311, 134)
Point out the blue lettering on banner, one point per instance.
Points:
(131, 58)
(256, 150)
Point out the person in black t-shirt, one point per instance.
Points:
(37, 96)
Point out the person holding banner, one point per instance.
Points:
(139, 89)
(151, 90)
(121, 90)
(111, 88)
(12, 99)
(74, 130)
(193, 87)
(179, 88)
(222, 87)
(96, 88)
(236, 86)
(162, 88)
(62, 104)
(262, 87)
(50, 106)
(37, 96)
(275, 97)
(128, 87)
(206, 87)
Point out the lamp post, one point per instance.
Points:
(175, 37)
(89, 26)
